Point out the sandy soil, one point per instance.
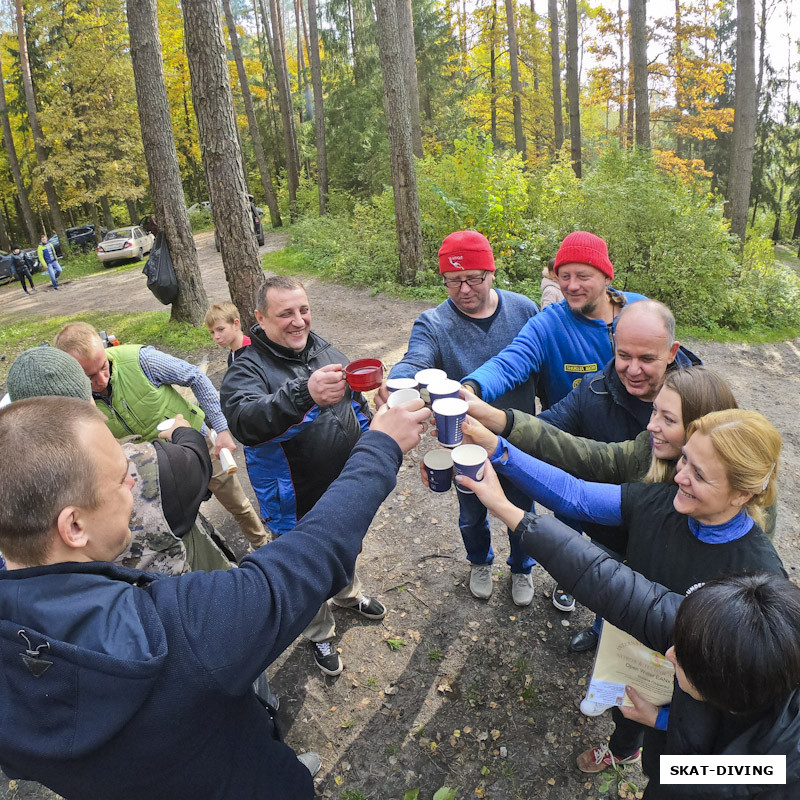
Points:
(480, 697)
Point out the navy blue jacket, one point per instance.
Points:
(146, 680)
(294, 449)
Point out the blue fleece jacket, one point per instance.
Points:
(144, 686)
(444, 338)
(557, 348)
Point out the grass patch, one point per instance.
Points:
(151, 327)
(787, 255)
(749, 336)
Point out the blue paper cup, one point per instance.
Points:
(394, 384)
(469, 460)
(427, 376)
(450, 413)
(441, 389)
(439, 466)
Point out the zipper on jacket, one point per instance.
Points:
(116, 414)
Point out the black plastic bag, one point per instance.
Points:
(161, 280)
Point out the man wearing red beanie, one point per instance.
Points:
(473, 324)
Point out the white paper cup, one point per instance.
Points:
(402, 396)
(439, 467)
(165, 425)
(469, 460)
(395, 384)
(438, 390)
(450, 414)
(427, 376)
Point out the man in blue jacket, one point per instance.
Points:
(125, 684)
(47, 258)
(473, 324)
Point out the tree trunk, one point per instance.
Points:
(5, 244)
(493, 76)
(252, 124)
(108, 217)
(133, 211)
(516, 88)
(307, 90)
(408, 53)
(573, 87)
(636, 9)
(555, 67)
(169, 205)
(744, 120)
(287, 112)
(36, 130)
(776, 230)
(621, 89)
(13, 164)
(319, 108)
(219, 145)
(404, 180)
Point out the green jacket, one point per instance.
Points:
(136, 406)
(589, 460)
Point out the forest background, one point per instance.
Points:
(376, 127)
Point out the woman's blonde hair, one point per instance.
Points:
(701, 391)
(748, 445)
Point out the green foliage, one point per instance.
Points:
(445, 793)
(201, 221)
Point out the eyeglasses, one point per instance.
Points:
(456, 283)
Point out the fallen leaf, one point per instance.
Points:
(495, 735)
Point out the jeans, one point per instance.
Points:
(474, 524)
(54, 270)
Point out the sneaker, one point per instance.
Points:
(521, 588)
(480, 581)
(311, 761)
(368, 607)
(596, 759)
(591, 708)
(327, 658)
(562, 600)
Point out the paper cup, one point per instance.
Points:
(441, 389)
(450, 413)
(439, 466)
(469, 460)
(165, 425)
(427, 376)
(394, 384)
(402, 396)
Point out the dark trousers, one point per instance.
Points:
(22, 274)
(627, 737)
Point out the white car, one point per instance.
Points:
(125, 244)
(204, 205)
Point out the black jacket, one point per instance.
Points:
(294, 448)
(647, 611)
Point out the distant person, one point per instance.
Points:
(286, 400)
(473, 324)
(225, 327)
(129, 685)
(551, 288)
(19, 266)
(134, 388)
(47, 258)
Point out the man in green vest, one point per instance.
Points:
(134, 387)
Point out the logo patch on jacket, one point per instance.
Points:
(580, 367)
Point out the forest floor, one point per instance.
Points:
(481, 697)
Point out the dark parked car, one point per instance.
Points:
(6, 273)
(148, 222)
(258, 227)
(84, 237)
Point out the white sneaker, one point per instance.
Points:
(480, 581)
(591, 708)
(311, 761)
(521, 588)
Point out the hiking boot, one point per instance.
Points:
(311, 761)
(562, 600)
(521, 588)
(584, 640)
(327, 658)
(480, 581)
(596, 759)
(368, 607)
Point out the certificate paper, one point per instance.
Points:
(623, 661)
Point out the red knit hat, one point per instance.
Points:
(465, 250)
(582, 247)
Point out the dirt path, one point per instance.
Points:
(481, 697)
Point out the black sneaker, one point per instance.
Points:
(327, 658)
(562, 600)
(368, 607)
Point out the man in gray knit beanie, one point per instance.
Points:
(46, 370)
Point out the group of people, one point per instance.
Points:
(22, 266)
(130, 637)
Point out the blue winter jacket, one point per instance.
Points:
(557, 347)
(144, 686)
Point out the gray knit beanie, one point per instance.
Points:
(43, 371)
